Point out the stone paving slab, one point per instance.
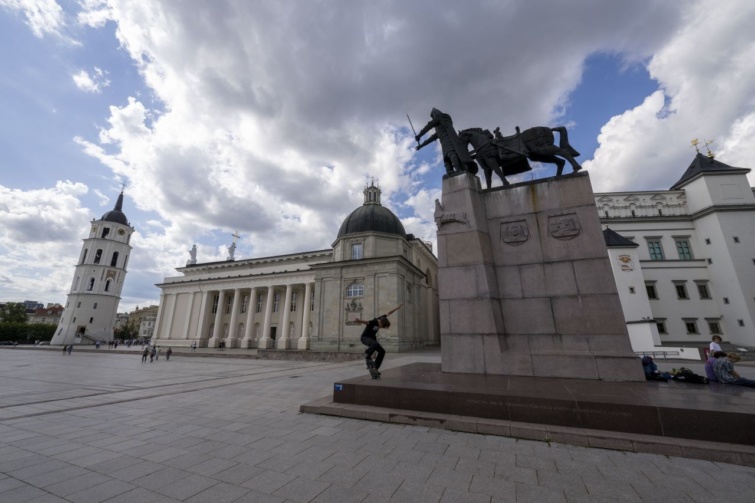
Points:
(207, 429)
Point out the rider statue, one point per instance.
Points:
(455, 154)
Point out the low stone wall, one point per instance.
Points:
(309, 356)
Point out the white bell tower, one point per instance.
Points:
(92, 303)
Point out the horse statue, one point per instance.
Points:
(507, 155)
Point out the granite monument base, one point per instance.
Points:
(708, 413)
(525, 283)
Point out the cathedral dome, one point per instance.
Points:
(116, 215)
(372, 217)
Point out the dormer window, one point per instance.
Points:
(357, 251)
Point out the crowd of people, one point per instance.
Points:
(719, 367)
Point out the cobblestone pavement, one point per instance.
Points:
(95, 427)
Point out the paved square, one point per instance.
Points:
(99, 426)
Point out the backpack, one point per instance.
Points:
(686, 375)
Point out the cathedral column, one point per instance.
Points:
(232, 337)
(285, 341)
(265, 342)
(160, 314)
(303, 343)
(248, 342)
(218, 328)
(187, 321)
(202, 317)
(172, 299)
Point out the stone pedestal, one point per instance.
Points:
(525, 283)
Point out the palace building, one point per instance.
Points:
(309, 300)
(684, 258)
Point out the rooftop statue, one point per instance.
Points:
(455, 154)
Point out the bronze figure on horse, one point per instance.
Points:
(508, 155)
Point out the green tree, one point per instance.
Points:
(13, 312)
(128, 331)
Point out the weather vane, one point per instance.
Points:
(695, 142)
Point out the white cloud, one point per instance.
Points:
(707, 90)
(44, 17)
(91, 83)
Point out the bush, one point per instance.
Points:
(22, 332)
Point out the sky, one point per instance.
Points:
(268, 117)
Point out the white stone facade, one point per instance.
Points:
(692, 274)
(308, 300)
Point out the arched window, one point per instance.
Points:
(105, 231)
(355, 290)
(114, 260)
(90, 285)
(107, 286)
(84, 256)
(97, 256)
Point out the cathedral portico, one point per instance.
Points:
(308, 300)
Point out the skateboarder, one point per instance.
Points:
(369, 339)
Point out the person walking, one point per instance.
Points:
(159, 352)
(194, 346)
(70, 348)
(168, 353)
(369, 338)
(152, 354)
(145, 354)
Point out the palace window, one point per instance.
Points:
(244, 303)
(714, 327)
(228, 304)
(661, 324)
(312, 302)
(684, 250)
(681, 290)
(655, 249)
(259, 303)
(95, 306)
(215, 300)
(114, 260)
(294, 295)
(355, 290)
(107, 285)
(357, 251)
(276, 301)
(691, 325)
(90, 285)
(702, 289)
(97, 256)
(105, 231)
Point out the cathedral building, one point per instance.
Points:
(91, 309)
(309, 300)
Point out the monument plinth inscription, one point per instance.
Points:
(525, 283)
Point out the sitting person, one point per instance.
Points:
(709, 372)
(651, 370)
(725, 373)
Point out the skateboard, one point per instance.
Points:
(373, 371)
